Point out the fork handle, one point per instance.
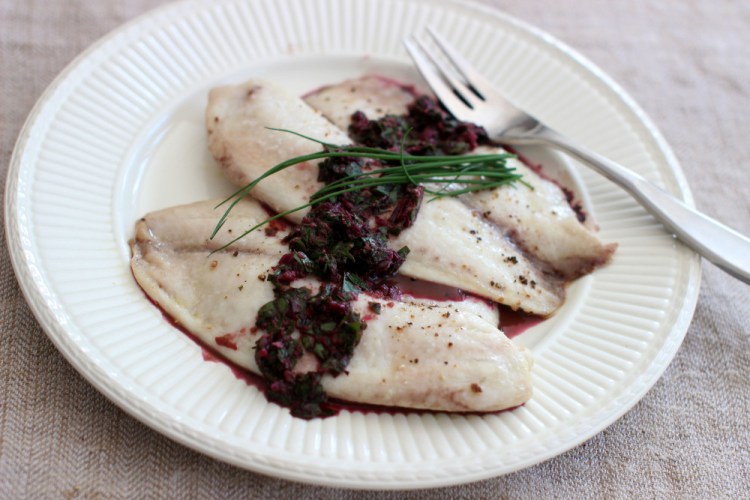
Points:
(723, 246)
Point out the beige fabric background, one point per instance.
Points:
(688, 65)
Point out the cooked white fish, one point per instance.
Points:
(539, 220)
(450, 242)
(210, 296)
(238, 120)
(417, 353)
(374, 95)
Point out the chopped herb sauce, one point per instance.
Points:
(344, 243)
(427, 129)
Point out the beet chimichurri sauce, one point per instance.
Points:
(343, 242)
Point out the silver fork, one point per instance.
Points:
(470, 97)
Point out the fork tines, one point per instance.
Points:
(460, 88)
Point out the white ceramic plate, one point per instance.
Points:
(120, 133)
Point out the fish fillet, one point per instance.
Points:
(418, 353)
(539, 220)
(237, 121)
(450, 242)
(542, 222)
(375, 96)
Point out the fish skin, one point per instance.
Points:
(443, 249)
(417, 353)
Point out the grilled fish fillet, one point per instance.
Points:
(375, 96)
(418, 353)
(539, 221)
(237, 121)
(451, 244)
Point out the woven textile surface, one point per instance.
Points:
(686, 63)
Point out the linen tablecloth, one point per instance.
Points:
(686, 63)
